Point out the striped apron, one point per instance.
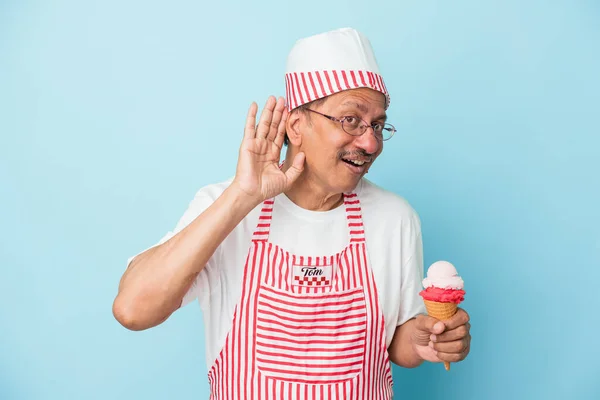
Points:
(306, 327)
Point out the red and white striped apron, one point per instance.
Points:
(306, 327)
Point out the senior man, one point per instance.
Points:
(308, 274)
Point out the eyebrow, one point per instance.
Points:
(364, 109)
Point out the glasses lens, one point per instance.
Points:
(356, 127)
(352, 125)
(388, 131)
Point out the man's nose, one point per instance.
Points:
(368, 141)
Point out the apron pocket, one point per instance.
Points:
(310, 338)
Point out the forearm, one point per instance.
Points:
(155, 282)
(401, 350)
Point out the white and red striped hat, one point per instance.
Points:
(328, 63)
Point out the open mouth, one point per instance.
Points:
(356, 163)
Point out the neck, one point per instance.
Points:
(307, 193)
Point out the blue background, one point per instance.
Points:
(113, 114)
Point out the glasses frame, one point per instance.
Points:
(341, 122)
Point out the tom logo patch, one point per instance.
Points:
(312, 276)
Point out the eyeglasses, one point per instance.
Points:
(355, 126)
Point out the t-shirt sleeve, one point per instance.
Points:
(208, 278)
(411, 303)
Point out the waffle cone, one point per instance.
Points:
(441, 311)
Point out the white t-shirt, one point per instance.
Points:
(393, 240)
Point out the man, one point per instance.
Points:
(307, 274)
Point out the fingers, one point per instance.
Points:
(249, 129)
(460, 318)
(454, 334)
(456, 346)
(276, 120)
(295, 170)
(279, 139)
(264, 125)
(272, 121)
(452, 345)
(454, 357)
(430, 324)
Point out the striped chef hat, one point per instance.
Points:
(328, 63)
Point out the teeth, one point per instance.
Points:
(356, 162)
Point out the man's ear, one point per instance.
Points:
(292, 127)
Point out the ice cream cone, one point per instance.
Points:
(443, 292)
(441, 311)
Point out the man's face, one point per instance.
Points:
(333, 157)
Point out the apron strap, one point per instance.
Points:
(263, 227)
(354, 217)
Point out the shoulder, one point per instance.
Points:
(386, 207)
(207, 195)
(204, 197)
(212, 191)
